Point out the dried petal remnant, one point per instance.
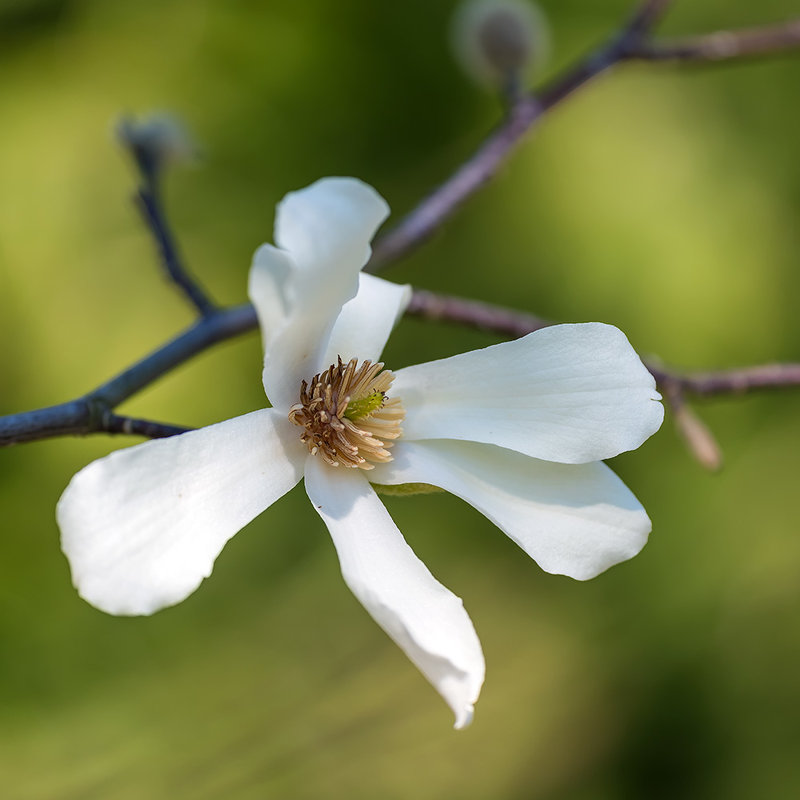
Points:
(347, 416)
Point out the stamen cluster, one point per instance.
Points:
(347, 416)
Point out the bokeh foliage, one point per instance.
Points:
(662, 200)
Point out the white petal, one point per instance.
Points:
(141, 527)
(572, 519)
(270, 288)
(424, 618)
(326, 228)
(568, 393)
(332, 220)
(365, 322)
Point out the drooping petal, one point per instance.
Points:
(568, 393)
(326, 229)
(142, 527)
(572, 519)
(424, 618)
(365, 322)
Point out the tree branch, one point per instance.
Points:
(152, 212)
(77, 418)
(473, 313)
(694, 432)
(721, 45)
(444, 201)
(646, 17)
(528, 109)
(632, 42)
(133, 426)
(92, 412)
(513, 324)
(429, 215)
(153, 144)
(731, 381)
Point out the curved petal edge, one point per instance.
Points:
(426, 620)
(566, 393)
(572, 519)
(141, 528)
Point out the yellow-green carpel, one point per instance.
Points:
(364, 406)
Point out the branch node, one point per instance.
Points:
(696, 435)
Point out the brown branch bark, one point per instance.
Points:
(632, 42)
(722, 45)
(444, 201)
(473, 313)
(646, 17)
(731, 381)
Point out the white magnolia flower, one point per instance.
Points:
(517, 430)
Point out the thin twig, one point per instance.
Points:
(150, 205)
(646, 17)
(443, 202)
(731, 381)
(91, 413)
(633, 42)
(428, 215)
(695, 433)
(513, 324)
(721, 45)
(133, 426)
(697, 436)
(78, 418)
(153, 145)
(474, 313)
(205, 332)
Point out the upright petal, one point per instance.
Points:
(572, 519)
(270, 287)
(424, 618)
(568, 393)
(142, 527)
(331, 221)
(365, 322)
(326, 229)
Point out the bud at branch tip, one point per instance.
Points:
(500, 43)
(156, 141)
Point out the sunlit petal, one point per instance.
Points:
(331, 221)
(326, 229)
(424, 618)
(568, 393)
(365, 322)
(572, 519)
(142, 527)
(270, 288)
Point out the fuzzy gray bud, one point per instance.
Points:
(499, 42)
(156, 141)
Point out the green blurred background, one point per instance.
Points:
(663, 200)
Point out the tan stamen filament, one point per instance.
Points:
(348, 418)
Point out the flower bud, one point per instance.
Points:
(499, 42)
(156, 141)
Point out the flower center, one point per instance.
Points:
(348, 418)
